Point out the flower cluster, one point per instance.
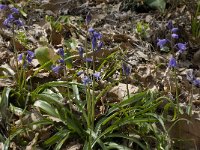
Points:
(95, 38)
(86, 80)
(61, 61)
(11, 18)
(173, 30)
(181, 47)
(126, 69)
(28, 58)
(97, 44)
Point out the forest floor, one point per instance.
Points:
(131, 29)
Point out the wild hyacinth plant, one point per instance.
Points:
(177, 49)
(13, 22)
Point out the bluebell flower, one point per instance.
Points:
(175, 36)
(126, 69)
(15, 10)
(3, 6)
(94, 42)
(88, 18)
(169, 25)
(174, 30)
(18, 22)
(30, 53)
(91, 30)
(11, 20)
(86, 80)
(97, 35)
(172, 63)
(88, 59)
(62, 61)
(80, 51)
(29, 56)
(161, 42)
(97, 75)
(79, 73)
(20, 57)
(196, 82)
(99, 46)
(181, 47)
(55, 69)
(61, 52)
(7, 22)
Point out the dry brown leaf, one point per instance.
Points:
(121, 92)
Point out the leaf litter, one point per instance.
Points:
(119, 35)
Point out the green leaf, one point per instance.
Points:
(127, 102)
(131, 138)
(50, 110)
(95, 136)
(52, 98)
(56, 84)
(113, 145)
(57, 138)
(4, 100)
(157, 4)
(7, 142)
(44, 55)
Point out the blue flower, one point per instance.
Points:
(11, 20)
(7, 22)
(18, 22)
(196, 82)
(182, 47)
(94, 37)
(29, 56)
(62, 61)
(86, 80)
(172, 63)
(61, 52)
(170, 25)
(79, 73)
(99, 46)
(15, 10)
(97, 35)
(94, 42)
(88, 18)
(97, 75)
(161, 42)
(88, 59)
(126, 69)
(175, 36)
(2, 6)
(55, 69)
(90, 30)
(80, 51)
(174, 30)
(30, 53)
(20, 57)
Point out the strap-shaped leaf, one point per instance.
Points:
(50, 110)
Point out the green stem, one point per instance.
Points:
(93, 89)
(16, 55)
(177, 95)
(128, 94)
(88, 96)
